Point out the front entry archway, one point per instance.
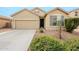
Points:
(42, 23)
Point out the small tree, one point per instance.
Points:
(60, 24)
(60, 30)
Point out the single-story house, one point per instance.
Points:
(5, 22)
(37, 18)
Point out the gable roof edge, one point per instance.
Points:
(21, 11)
(59, 9)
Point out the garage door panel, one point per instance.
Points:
(32, 24)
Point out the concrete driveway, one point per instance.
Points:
(16, 40)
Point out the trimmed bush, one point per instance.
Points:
(46, 43)
(71, 24)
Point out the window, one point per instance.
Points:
(55, 19)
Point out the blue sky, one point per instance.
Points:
(7, 11)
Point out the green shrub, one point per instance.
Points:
(46, 43)
(71, 44)
(71, 24)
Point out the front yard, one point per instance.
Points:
(49, 41)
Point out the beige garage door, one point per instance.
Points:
(32, 24)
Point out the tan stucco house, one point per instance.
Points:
(37, 18)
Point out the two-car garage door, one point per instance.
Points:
(26, 24)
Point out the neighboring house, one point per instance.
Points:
(5, 22)
(74, 13)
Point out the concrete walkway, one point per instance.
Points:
(17, 40)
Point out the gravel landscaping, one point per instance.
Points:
(64, 34)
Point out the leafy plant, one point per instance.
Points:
(72, 44)
(71, 24)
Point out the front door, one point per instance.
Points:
(41, 23)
